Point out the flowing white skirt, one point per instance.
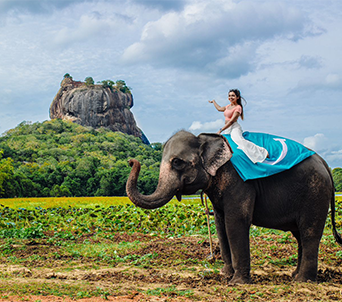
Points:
(254, 153)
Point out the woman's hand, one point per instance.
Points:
(211, 101)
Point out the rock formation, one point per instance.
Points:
(95, 106)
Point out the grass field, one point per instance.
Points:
(105, 247)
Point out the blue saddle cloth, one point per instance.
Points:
(284, 154)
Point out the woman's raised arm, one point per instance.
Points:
(217, 106)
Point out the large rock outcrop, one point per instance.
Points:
(95, 106)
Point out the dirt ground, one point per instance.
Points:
(177, 272)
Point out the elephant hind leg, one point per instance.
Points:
(310, 234)
(309, 263)
(309, 257)
(296, 234)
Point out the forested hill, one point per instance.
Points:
(61, 158)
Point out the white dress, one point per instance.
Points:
(254, 153)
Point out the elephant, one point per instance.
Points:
(295, 200)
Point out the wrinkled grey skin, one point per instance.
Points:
(296, 200)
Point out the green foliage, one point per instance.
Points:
(107, 84)
(6, 175)
(337, 176)
(121, 85)
(67, 76)
(169, 291)
(157, 146)
(60, 158)
(174, 219)
(89, 81)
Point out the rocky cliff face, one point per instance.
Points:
(96, 107)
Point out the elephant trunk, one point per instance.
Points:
(163, 194)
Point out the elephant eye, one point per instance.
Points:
(178, 164)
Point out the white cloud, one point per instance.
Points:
(214, 126)
(88, 26)
(318, 142)
(335, 156)
(333, 79)
(213, 36)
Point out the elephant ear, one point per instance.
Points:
(215, 151)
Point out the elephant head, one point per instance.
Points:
(188, 163)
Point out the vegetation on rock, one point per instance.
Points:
(118, 85)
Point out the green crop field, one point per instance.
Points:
(88, 214)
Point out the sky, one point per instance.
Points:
(284, 56)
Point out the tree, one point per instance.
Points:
(59, 191)
(89, 81)
(107, 84)
(6, 175)
(157, 146)
(121, 85)
(337, 176)
(63, 158)
(67, 76)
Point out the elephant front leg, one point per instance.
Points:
(238, 237)
(227, 270)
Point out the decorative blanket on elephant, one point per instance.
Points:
(284, 154)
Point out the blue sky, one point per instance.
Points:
(284, 56)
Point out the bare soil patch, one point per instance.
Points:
(154, 268)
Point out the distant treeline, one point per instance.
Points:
(60, 158)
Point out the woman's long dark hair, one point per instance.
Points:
(238, 95)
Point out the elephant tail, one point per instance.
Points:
(332, 206)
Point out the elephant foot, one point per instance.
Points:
(295, 273)
(227, 271)
(240, 280)
(305, 277)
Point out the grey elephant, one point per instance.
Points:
(296, 200)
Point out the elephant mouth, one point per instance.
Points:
(179, 195)
(186, 190)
